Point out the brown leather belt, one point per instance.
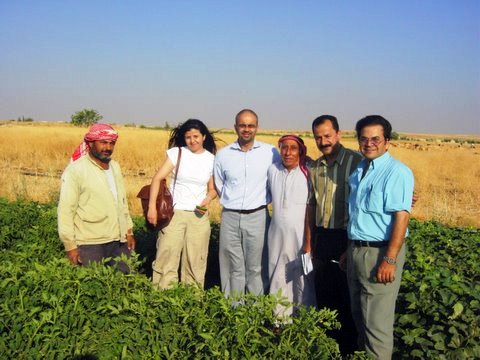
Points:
(374, 244)
(247, 211)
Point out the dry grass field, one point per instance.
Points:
(33, 156)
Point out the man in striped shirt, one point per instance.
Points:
(329, 218)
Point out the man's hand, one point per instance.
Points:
(387, 267)
(386, 272)
(131, 242)
(74, 256)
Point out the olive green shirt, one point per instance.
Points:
(330, 185)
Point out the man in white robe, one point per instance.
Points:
(288, 237)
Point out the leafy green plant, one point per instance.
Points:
(25, 226)
(55, 310)
(439, 301)
(51, 309)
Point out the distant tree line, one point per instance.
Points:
(23, 119)
(88, 117)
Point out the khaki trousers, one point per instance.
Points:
(373, 304)
(183, 243)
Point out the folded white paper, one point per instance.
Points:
(307, 263)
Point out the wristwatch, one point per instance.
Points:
(390, 260)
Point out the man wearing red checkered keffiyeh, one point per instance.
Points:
(96, 132)
(302, 160)
(93, 215)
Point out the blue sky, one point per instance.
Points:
(149, 62)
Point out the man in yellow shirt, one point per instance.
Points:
(93, 217)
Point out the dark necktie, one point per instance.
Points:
(365, 169)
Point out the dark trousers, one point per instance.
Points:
(96, 253)
(331, 284)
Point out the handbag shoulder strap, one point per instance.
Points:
(177, 167)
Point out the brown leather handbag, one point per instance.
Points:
(164, 200)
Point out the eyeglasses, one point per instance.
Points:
(376, 140)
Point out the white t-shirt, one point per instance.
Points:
(193, 174)
(111, 182)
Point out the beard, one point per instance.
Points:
(103, 157)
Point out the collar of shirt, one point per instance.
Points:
(236, 146)
(378, 162)
(339, 159)
(284, 169)
(94, 162)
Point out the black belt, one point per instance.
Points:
(374, 244)
(247, 211)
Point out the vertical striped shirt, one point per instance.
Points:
(331, 190)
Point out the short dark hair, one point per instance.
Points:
(374, 120)
(241, 112)
(177, 135)
(323, 118)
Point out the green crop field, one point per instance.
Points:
(52, 310)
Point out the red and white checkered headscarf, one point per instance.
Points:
(303, 151)
(96, 132)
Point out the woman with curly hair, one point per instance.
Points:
(184, 242)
